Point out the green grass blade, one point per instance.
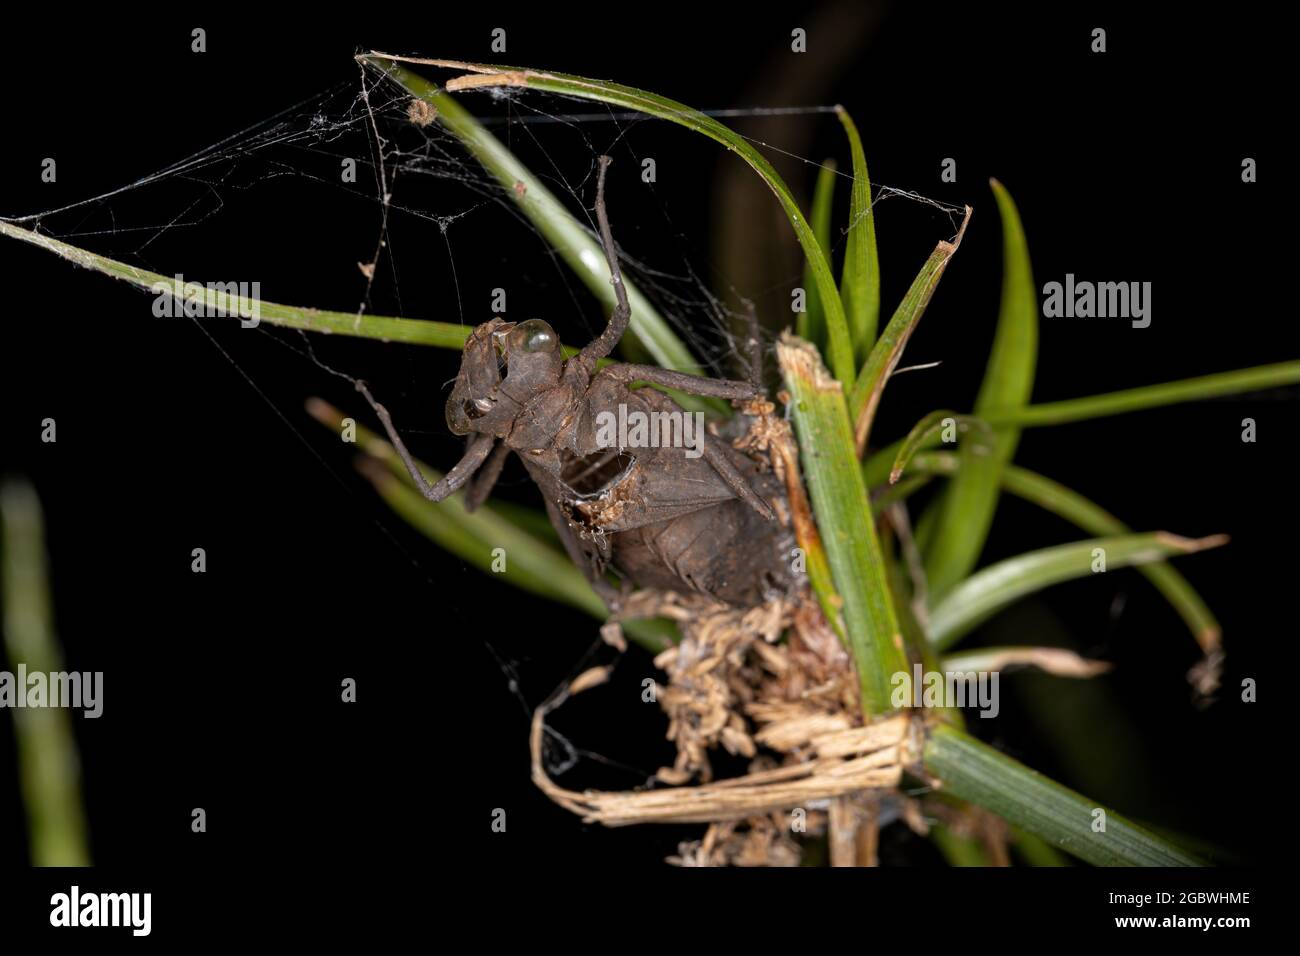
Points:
(970, 500)
(860, 279)
(1239, 381)
(531, 565)
(876, 466)
(843, 515)
(576, 245)
(626, 97)
(925, 431)
(811, 323)
(1064, 819)
(383, 328)
(531, 562)
(380, 327)
(1095, 520)
(987, 591)
(823, 585)
(864, 397)
(48, 766)
(1149, 396)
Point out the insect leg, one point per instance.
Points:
(622, 314)
(480, 486)
(475, 453)
(716, 456)
(682, 381)
(714, 451)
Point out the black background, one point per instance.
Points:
(222, 689)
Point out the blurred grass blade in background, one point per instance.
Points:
(49, 769)
(1035, 851)
(529, 560)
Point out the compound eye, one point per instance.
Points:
(535, 336)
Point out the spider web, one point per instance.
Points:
(425, 206)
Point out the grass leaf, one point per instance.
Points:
(883, 358)
(860, 278)
(379, 327)
(876, 467)
(976, 772)
(484, 76)
(986, 592)
(531, 562)
(1095, 520)
(925, 431)
(848, 532)
(968, 503)
(1149, 396)
(811, 323)
(383, 328)
(46, 746)
(577, 245)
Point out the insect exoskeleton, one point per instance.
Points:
(687, 515)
